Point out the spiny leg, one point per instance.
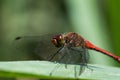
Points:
(55, 68)
(75, 71)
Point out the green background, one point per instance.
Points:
(96, 20)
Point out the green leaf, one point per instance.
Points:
(42, 69)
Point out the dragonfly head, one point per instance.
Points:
(58, 40)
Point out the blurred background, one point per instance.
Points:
(95, 20)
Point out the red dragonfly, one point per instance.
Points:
(71, 40)
(73, 49)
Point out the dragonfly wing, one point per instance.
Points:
(45, 48)
(40, 46)
(74, 55)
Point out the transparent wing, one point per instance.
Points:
(73, 55)
(45, 48)
(41, 46)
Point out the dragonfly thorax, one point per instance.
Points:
(74, 40)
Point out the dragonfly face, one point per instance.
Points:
(58, 40)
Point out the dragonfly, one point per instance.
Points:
(72, 48)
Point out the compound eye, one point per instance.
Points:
(60, 37)
(58, 40)
(54, 41)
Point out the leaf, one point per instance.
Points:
(42, 69)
